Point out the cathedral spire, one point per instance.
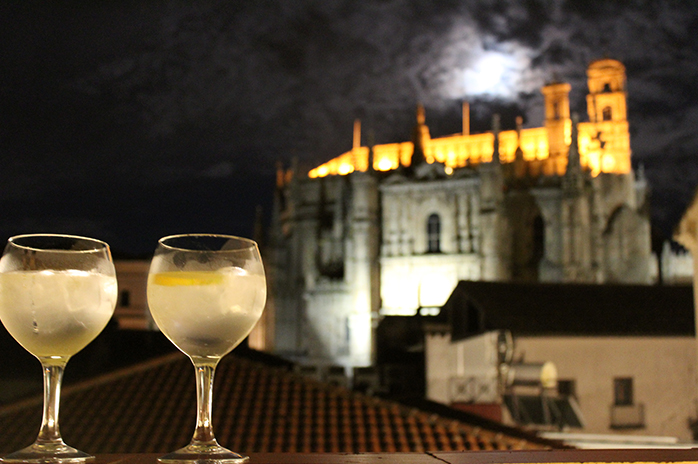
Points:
(420, 135)
(357, 134)
(495, 132)
(574, 165)
(519, 162)
(466, 118)
(280, 175)
(573, 179)
(641, 176)
(371, 154)
(519, 151)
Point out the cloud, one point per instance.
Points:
(520, 21)
(242, 84)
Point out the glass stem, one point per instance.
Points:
(53, 376)
(205, 370)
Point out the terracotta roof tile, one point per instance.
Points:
(150, 407)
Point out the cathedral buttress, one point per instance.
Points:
(576, 216)
(494, 248)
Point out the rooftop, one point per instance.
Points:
(569, 309)
(260, 405)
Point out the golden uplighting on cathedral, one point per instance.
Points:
(384, 164)
(604, 141)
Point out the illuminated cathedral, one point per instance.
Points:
(390, 229)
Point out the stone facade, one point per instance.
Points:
(390, 229)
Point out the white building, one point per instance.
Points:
(625, 354)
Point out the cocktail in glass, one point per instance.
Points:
(206, 292)
(57, 293)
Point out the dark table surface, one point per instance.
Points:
(467, 457)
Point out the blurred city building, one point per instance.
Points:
(604, 359)
(391, 229)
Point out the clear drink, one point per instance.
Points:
(56, 313)
(57, 293)
(206, 293)
(206, 313)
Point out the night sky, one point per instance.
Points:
(130, 120)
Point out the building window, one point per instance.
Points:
(607, 87)
(434, 234)
(625, 412)
(607, 113)
(125, 299)
(623, 391)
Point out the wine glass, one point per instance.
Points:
(206, 292)
(57, 293)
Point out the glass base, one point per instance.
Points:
(211, 453)
(48, 453)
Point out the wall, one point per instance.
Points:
(662, 368)
(132, 310)
(465, 371)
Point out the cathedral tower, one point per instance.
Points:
(557, 123)
(606, 105)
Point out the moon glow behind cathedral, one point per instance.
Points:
(603, 142)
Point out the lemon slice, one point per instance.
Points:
(172, 279)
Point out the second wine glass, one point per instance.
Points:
(206, 292)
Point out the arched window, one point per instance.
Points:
(434, 234)
(607, 113)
